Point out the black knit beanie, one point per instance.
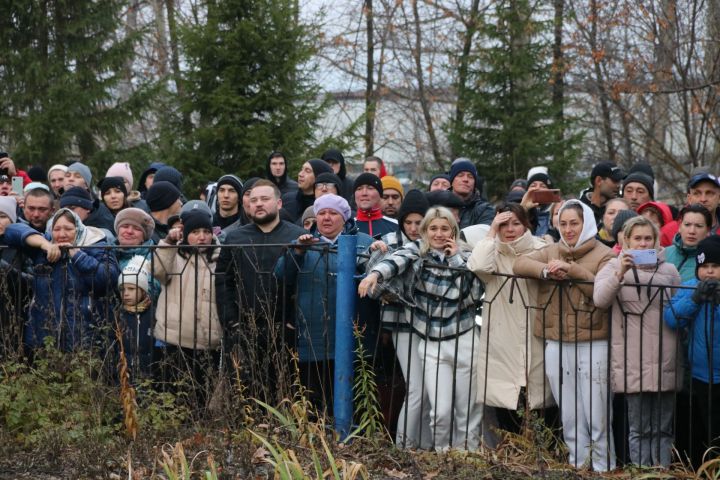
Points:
(708, 251)
(643, 179)
(320, 166)
(193, 220)
(231, 180)
(112, 182)
(161, 195)
(370, 179)
(414, 202)
(330, 178)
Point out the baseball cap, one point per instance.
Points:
(702, 177)
(606, 169)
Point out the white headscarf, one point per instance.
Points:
(589, 229)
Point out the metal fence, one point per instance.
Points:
(617, 384)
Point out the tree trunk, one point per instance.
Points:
(463, 65)
(175, 57)
(424, 102)
(370, 98)
(558, 79)
(600, 80)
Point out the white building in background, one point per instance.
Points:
(401, 138)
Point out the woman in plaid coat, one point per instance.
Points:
(441, 298)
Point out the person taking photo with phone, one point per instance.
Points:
(444, 296)
(648, 375)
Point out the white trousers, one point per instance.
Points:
(578, 376)
(455, 417)
(413, 430)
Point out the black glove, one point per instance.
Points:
(705, 291)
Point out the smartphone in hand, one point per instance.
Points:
(644, 257)
(544, 196)
(17, 185)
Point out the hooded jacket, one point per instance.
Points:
(284, 183)
(703, 323)
(186, 315)
(684, 258)
(510, 356)
(71, 297)
(643, 350)
(566, 310)
(666, 219)
(347, 191)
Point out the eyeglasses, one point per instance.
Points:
(325, 186)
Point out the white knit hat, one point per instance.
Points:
(136, 273)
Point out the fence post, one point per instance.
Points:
(344, 339)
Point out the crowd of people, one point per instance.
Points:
(601, 308)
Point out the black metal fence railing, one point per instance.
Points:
(636, 381)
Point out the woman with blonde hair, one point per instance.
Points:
(441, 298)
(643, 350)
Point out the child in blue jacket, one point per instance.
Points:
(698, 311)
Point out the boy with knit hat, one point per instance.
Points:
(137, 315)
(392, 196)
(698, 310)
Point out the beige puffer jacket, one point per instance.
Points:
(511, 357)
(581, 320)
(179, 308)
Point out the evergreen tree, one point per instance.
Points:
(510, 121)
(246, 89)
(61, 68)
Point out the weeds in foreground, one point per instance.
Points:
(176, 466)
(366, 402)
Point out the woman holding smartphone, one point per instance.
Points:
(444, 299)
(643, 349)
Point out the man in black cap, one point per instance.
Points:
(703, 188)
(163, 199)
(368, 198)
(229, 188)
(605, 179)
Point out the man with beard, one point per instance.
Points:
(254, 308)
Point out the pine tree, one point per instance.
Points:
(510, 122)
(61, 66)
(247, 90)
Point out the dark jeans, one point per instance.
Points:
(707, 397)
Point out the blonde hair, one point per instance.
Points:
(435, 213)
(640, 221)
